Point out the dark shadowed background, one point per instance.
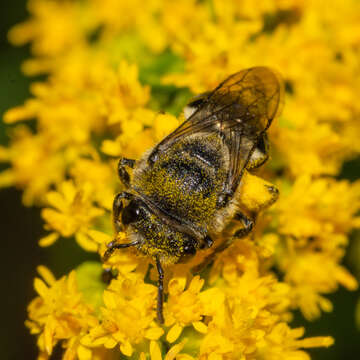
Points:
(22, 227)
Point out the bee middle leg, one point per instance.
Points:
(248, 225)
(122, 172)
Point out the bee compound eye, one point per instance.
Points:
(131, 212)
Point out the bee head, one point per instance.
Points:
(154, 234)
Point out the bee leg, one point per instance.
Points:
(107, 276)
(207, 242)
(160, 297)
(123, 174)
(248, 226)
(246, 222)
(260, 154)
(113, 245)
(274, 195)
(117, 207)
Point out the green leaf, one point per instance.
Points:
(89, 278)
(156, 66)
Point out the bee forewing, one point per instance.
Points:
(240, 110)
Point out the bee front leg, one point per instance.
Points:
(246, 222)
(122, 172)
(117, 208)
(113, 245)
(160, 297)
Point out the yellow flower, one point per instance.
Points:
(73, 215)
(184, 307)
(54, 28)
(319, 208)
(98, 177)
(32, 167)
(283, 343)
(325, 276)
(314, 218)
(90, 101)
(111, 65)
(59, 314)
(136, 137)
(128, 316)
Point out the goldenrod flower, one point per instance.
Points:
(110, 67)
(127, 318)
(313, 220)
(59, 314)
(184, 307)
(73, 215)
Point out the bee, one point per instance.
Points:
(185, 190)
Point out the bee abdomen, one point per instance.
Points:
(190, 175)
(186, 180)
(209, 156)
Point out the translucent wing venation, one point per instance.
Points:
(240, 109)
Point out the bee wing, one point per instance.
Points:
(240, 109)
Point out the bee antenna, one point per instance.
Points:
(113, 245)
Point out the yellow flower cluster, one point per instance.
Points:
(111, 65)
(56, 317)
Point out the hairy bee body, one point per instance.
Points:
(184, 185)
(185, 190)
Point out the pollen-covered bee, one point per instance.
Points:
(185, 190)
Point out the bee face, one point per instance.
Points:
(155, 233)
(184, 191)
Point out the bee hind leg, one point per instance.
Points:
(247, 223)
(122, 172)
